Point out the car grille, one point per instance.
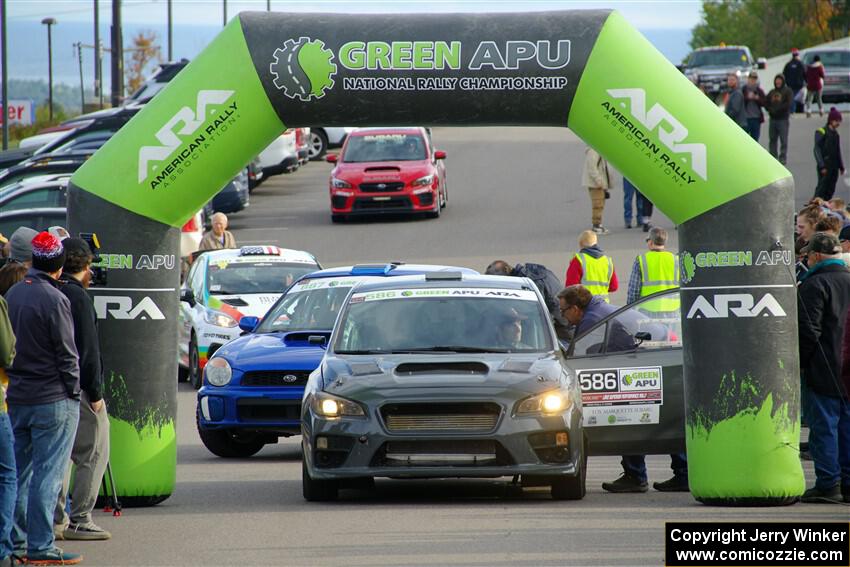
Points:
(388, 187)
(371, 205)
(268, 410)
(448, 452)
(274, 378)
(459, 418)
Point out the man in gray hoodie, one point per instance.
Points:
(779, 101)
(735, 102)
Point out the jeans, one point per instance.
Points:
(44, 435)
(643, 208)
(812, 97)
(829, 438)
(754, 128)
(777, 131)
(8, 485)
(635, 465)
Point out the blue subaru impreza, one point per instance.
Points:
(253, 386)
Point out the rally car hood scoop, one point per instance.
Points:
(235, 301)
(441, 367)
(382, 169)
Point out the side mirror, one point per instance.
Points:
(331, 158)
(187, 296)
(642, 336)
(248, 324)
(439, 154)
(761, 63)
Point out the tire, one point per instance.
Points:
(337, 218)
(182, 374)
(572, 487)
(445, 194)
(226, 444)
(318, 146)
(435, 214)
(196, 376)
(315, 490)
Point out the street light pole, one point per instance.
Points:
(5, 72)
(224, 19)
(79, 47)
(170, 55)
(268, 5)
(97, 77)
(49, 22)
(117, 55)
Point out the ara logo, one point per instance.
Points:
(723, 306)
(121, 307)
(672, 135)
(188, 120)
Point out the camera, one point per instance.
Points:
(98, 273)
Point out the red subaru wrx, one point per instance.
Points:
(388, 170)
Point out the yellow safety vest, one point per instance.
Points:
(659, 270)
(596, 273)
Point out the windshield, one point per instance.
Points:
(443, 320)
(829, 58)
(310, 305)
(230, 277)
(385, 147)
(719, 58)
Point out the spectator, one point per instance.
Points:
(90, 452)
(596, 176)
(219, 237)
(547, 283)
(654, 271)
(830, 224)
(8, 471)
(592, 268)
(43, 397)
(20, 246)
(844, 240)
(10, 274)
(735, 102)
(754, 100)
(779, 103)
(795, 75)
(815, 75)
(4, 249)
(643, 206)
(824, 298)
(828, 155)
(807, 220)
(583, 310)
(839, 207)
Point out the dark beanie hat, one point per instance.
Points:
(834, 114)
(48, 254)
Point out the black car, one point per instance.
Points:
(45, 164)
(38, 218)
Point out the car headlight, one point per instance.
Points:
(547, 403)
(339, 183)
(219, 319)
(423, 181)
(218, 372)
(327, 405)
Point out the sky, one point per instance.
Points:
(641, 13)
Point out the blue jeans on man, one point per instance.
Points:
(643, 208)
(828, 419)
(44, 436)
(635, 466)
(8, 485)
(754, 128)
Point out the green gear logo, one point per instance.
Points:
(627, 379)
(612, 419)
(303, 69)
(406, 293)
(688, 266)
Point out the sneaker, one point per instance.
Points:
(59, 531)
(675, 484)
(626, 483)
(628, 224)
(54, 556)
(86, 532)
(599, 229)
(814, 495)
(646, 227)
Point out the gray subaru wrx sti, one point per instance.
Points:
(443, 375)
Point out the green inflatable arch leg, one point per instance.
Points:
(589, 71)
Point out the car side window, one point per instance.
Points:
(591, 343)
(660, 322)
(197, 281)
(31, 199)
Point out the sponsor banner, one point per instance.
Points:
(21, 112)
(136, 261)
(621, 386)
(480, 293)
(735, 305)
(601, 416)
(694, 263)
(324, 283)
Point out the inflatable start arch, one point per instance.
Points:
(589, 71)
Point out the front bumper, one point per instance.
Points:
(361, 447)
(352, 202)
(836, 92)
(268, 410)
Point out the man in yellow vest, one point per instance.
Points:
(591, 268)
(655, 270)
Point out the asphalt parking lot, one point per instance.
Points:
(514, 194)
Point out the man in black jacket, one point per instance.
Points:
(824, 297)
(779, 101)
(91, 444)
(828, 155)
(795, 75)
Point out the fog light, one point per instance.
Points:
(562, 439)
(321, 442)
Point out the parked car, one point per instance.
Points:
(225, 285)
(66, 163)
(262, 399)
(232, 198)
(302, 143)
(322, 139)
(157, 81)
(836, 66)
(708, 67)
(255, 173)
(443, 376)
(281, 156)
(44, 191)
(40, 218)
(387, 170)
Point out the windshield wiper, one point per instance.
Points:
(362, 352)
(450, 349)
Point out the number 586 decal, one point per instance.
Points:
(598, 380)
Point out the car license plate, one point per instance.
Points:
(380, 198)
